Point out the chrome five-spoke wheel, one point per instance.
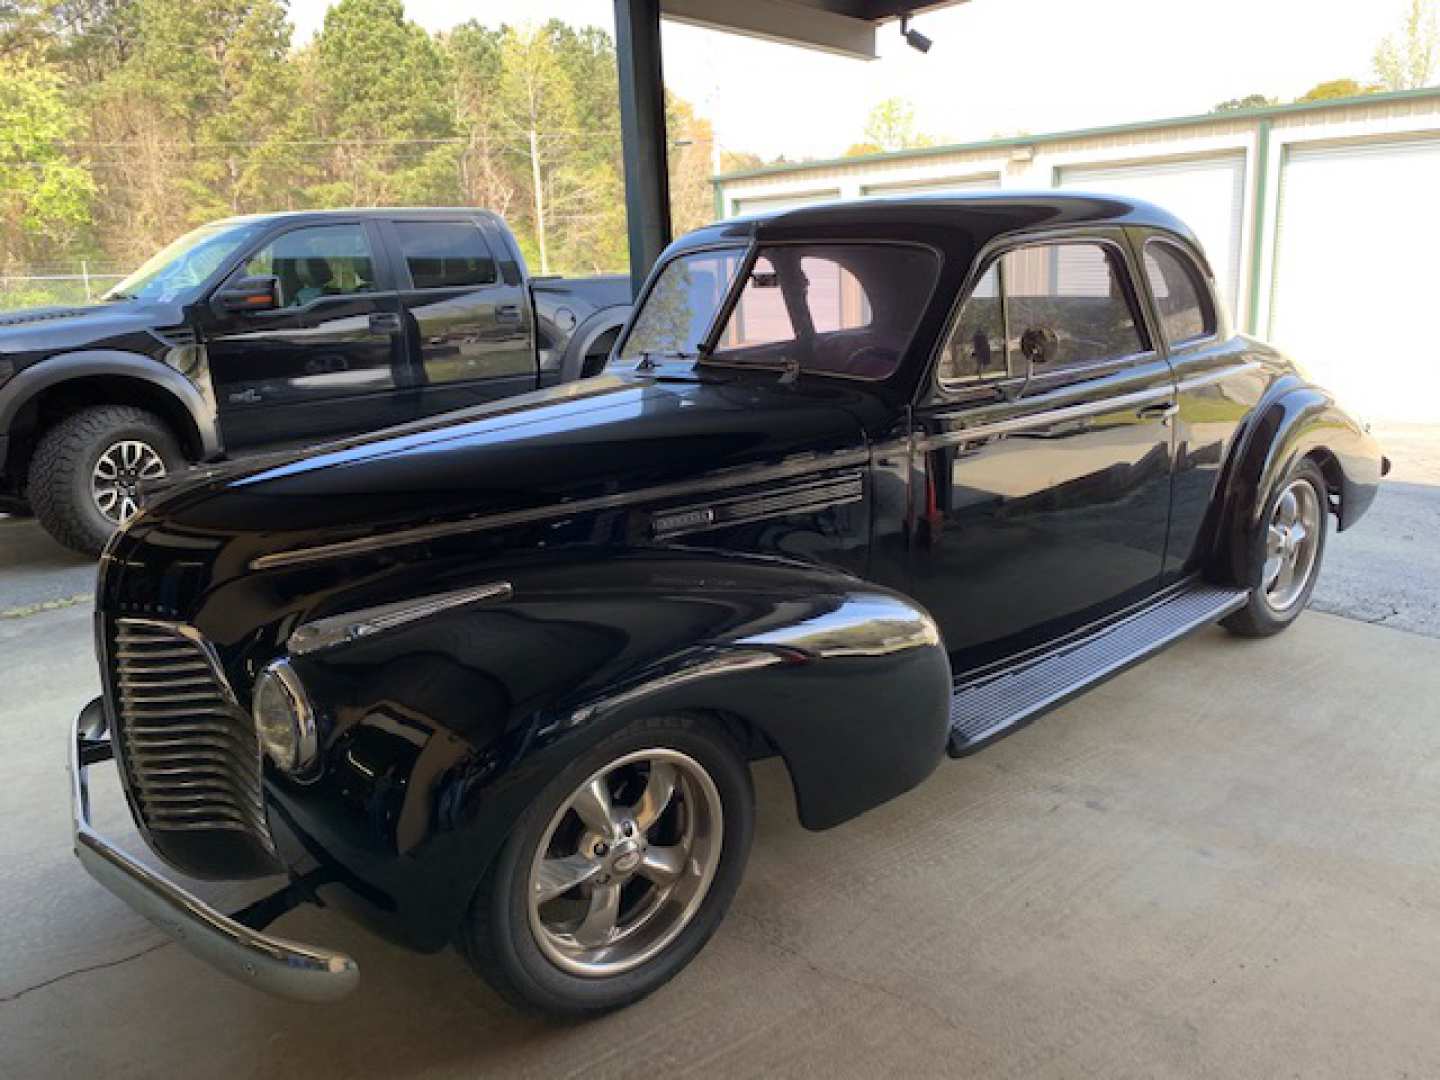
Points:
(625, 862)
(1292, 542)
(115, 480)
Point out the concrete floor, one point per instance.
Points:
(1221, 864)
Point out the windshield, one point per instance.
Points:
(836, 309)
(177, 271)
(682, 304)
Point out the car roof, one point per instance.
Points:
(386, 212)
(958, 221)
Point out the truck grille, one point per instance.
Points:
(189, 751)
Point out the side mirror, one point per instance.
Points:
(1039, 345)
(250, 294)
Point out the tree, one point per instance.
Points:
(1249, 101)
(45, 198)
(891, 126)
(380, 113)
(1407, 60)
(1335, 88)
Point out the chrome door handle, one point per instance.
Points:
(1162, 411)
(507, 313)
(385, 322)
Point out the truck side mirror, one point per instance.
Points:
(260, 293)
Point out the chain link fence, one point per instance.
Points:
(43, 286)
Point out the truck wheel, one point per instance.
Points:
(85, 474)
(619, 871)
(1282, 562)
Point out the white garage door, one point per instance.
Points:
(765, 203)
(1354, 294)
(1208, 194)
(934, 184)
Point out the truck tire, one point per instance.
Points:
(597, 900)
(86, 469)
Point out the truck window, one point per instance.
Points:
(445, 254)
(317, 261)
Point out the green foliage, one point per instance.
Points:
(45, 198)
(891, 126)
(125, 122)
(1409, 58)
(1337, 88)
(1249, 101)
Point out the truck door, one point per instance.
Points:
(330, 360)
(471, 327)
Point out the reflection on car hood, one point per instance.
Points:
(604, 436)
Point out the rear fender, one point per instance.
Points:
(1297, 422)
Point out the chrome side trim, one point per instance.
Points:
(1088, 408)
(337, 630)
(802, 498)
(864, 625)
(1205, 378)
(272, 964)
(440, 530)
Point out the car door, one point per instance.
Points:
(471, 328)
(1042, 455)
(329, 359)
(1217, 382)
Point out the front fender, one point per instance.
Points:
(114, 363)
(442, 732)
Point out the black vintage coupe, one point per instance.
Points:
(863, 483)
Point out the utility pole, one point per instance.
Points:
(539, 200)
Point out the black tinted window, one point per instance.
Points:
(841, 309)
(315, 262)
(1183, 302)
(1042, 309)
(445, 254)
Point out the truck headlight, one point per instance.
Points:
(284, 718)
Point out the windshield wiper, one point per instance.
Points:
(113, 296)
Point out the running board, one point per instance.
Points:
(993, 705)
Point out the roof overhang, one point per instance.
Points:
(844, 27)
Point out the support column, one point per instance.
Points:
(642, 130)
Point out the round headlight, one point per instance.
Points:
(284, 720)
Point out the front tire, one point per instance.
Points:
(618, 872)
(1281, 563)
(86, 471)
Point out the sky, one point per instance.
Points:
(998, 67)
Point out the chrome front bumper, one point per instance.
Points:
(267, 963)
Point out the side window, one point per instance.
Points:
(1180, 294)
(1061, 305)
(1066, 306)
(314, 262)
(445, 254)
(977, 347)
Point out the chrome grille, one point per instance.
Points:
(191, 758)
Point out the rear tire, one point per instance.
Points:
(65, 489)
(575, 953)
(1281, 561)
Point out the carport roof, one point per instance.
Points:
(846, 27)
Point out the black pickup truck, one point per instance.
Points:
(276, 331)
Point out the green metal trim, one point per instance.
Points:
(1257, 227)
(1265, 112)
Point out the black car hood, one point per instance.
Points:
(57, 329)
(604, 436)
